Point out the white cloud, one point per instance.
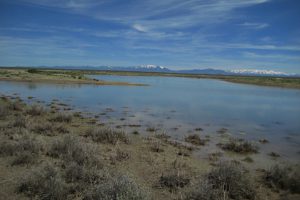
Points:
(164, 14)
(140, 28)
(252, 25)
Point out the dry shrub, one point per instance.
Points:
(156, 146)
(44, 128)
(174, 180)
(24, 144)
(116, 188)
(44, 183)
(284, 178)
(62, 129)
(71, 149)
(227, 181)
(162, 136)
(239, 146)
(20, 121)
(107, 135)
(176, 177)
(35, 110)
(119, 155)
(194, 139)
(4, 112)
(15, 105)
(24, 158)
(62, 117)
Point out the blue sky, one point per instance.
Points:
(179, 34)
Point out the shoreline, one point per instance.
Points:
(65, 76)
(42, 76)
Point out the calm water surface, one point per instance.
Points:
(179, 105)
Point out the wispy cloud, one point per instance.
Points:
(252, 25)
(140, 28)
(153, 14)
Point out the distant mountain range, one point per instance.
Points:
(155, 68)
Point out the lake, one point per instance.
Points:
(181, 105)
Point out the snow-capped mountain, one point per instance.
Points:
(259, 72)
(160, 69)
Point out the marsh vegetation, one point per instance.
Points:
(49, 154)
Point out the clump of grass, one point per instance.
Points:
(283, 178)
(204, 190)
(35, 110)
(228, 180)
(7, 148)
(264, 141)
(119, 188)
(222, 130)
(248, 159)
(214, 156)
(24, 144)
(70, 149)
(107, 135)
(184, 152)
(274, 154)
(156, 146)
(239, 146)
(162, 136)
(44, 183)
(15, 105)
(234, 180)
(173, 180)
(19, 121)
(62, 129)
(24, 158)
(194, 139)
(44, 128)
(62, 117)
(135, 132)
(119, 155)
(151, 129)
(3, 111)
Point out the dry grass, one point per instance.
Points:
(45, 183)
(107, 135)
(62, 117)
(227, 181)
(20, 121)
(283, 178)
(4, 112)
(117, 188)
(239, 146)
(35, 110)
(70, 148)
(195, 139)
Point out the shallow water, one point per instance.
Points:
(179, 105)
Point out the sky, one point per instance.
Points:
(178, 34)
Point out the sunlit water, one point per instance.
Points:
(179, 105)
